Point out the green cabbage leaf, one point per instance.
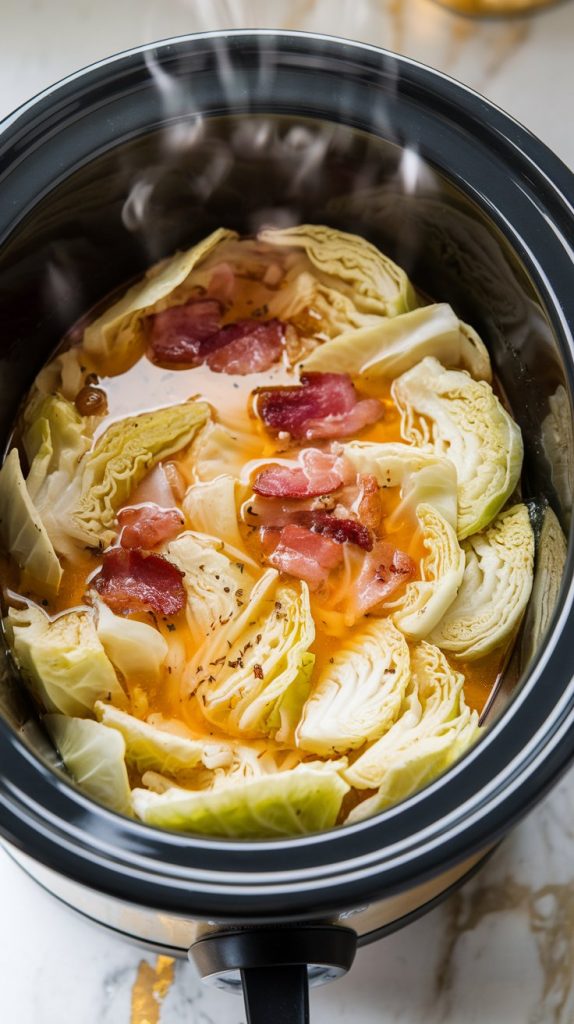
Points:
(435, 727)
(448, 412)
(136, 649)
(495, 588)
(62, 660)
(392, 346)
(94, 757)
(359, 693)
(22, 531)
(305, 799)
(211, 509)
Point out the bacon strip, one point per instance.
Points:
(384, 571)
(318, 475)
(248, 346)
(306, 555)
(133, 581)
(370, 510)
(324, 405)
(146, 526)
(338, 529)
(179, 334)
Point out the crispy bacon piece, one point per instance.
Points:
(146, 526)
(318, 475)
(306, 555)
(338, 529)
(323, 405)
(179, 334)
(248, 346)
(384, 571)
(133, 581)
(370, 510)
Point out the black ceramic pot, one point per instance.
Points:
(118, 166)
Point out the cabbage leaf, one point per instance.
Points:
(495, 588)
(219, 452)
(211, 508)
(448, 412)
(306, 799)
(425, 601)
(136, 649)
(23, 532)
(349, 264)
(122, 456)
(392, 346)
(116, 340)
(62, 660)
(434, 729)
(94, 757)
(252, 675)
(359, 693)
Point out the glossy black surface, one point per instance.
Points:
(258, 128)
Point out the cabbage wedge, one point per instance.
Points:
(436, 726)
(495, 588)
(359, 693)
(211, 508)
(251, 677)
(136, 649)
(448, 412)
(350, 268)
(122, 456)
(389, 348)
(220, 452)
(149, 747)
(306, 799)
(94, 757)
(62, 660)
(217, 580)
(116, 340)
(425, 601)
(23, 532)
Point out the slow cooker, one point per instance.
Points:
(141, 154)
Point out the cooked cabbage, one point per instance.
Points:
(217, 581)
(393, 346)
(495, 588)
(252, 675)
(150, 747)
(136, 649)
(218, 452)
(116, 339)
(62, 660)
(422, 476)
(23, 532)
(551, 552)
(306, 799)
(359, 692)
(121, 458)
(210, 508)
(435, 727)
(349, 268)
(425, 601)
(94, 757)
(448, 412)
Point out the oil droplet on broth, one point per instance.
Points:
(150, 988)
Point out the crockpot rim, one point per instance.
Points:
(63, 848)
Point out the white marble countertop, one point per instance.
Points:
(501, 951)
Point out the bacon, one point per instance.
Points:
(318, 475)
(306, 555)
(133, 581)
(337, 528)
(370, 510)
(146, 526)
(179, 334)
(323, 405)
(248, 346)
(384, 571)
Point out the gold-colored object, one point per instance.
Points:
(495, 7)
(150, 989)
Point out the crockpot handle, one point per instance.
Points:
(273, 965)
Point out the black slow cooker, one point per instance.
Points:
(120, 165)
